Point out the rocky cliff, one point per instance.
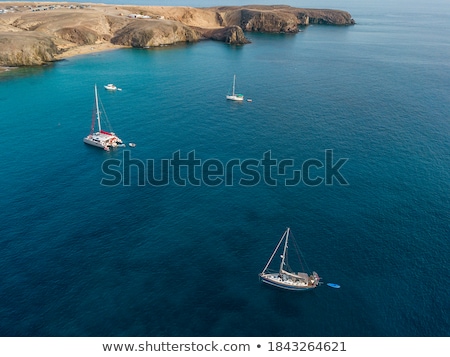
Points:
(19, 50)
(279, 18)
(154, 33)
(230, 35)
(33, 34)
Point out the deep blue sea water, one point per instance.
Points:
(82, 259)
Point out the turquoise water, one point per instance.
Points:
(82, 259)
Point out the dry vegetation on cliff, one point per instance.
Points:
(36, 33)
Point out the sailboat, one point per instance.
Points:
(101, 138)
(233, 95)
(284, 277)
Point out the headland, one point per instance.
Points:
(36, 33)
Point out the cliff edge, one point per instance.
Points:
(35, 34)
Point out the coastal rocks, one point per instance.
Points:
(31, 49)
(262, 21)
(232, 35)
(152, 33)
(278, 18)
(325, 17)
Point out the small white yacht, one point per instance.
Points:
(110, 86)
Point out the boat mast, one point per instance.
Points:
(274, 252)
(96, 109)
(234, 83)
(284, 250)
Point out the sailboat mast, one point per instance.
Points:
(274, 252)
(97, 109)
(234, 83)
(284, 250)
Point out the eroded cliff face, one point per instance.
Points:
(154, 33)
(33, 49)
(33, 38)
(232, 35)
(279, 18)
(79, 35)
(325, 17)
(254, 20)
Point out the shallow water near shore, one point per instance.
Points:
(82, 259)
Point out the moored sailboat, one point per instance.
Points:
(101, 138)
(285, 277)
(235, 96)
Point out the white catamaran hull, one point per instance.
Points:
(102, 140)
(92, 142)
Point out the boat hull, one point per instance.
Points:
(274, 280)
(110, 87)
(235, 98)
(103, 140)
(94, 143)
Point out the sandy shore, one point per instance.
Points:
(77, 51)
(87, 49)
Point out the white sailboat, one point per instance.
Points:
(101, 138)
(284, 277)
(233, 95)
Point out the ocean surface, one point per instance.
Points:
(79, 258)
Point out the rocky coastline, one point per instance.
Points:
(38, 33)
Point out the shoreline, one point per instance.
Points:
(33, 34)
(86, 50)
(74, 52)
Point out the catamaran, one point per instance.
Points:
(233, 95)
(101, 138)
(285, 277)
